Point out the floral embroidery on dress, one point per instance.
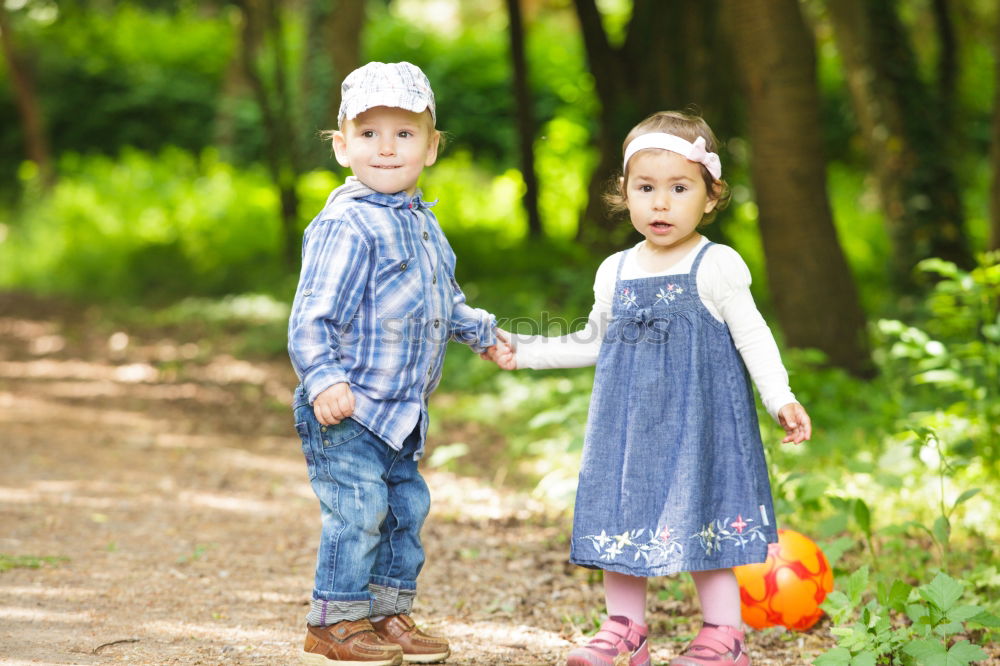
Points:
(740, 532)
(627, 297)
(669, 293)
(646, 543)
(657, 545)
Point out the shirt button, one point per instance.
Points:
(402, 266)
(322, 429)
(426, 235)
(307, 292)
(434, 280)
(437, 323)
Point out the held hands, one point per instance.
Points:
(794, 419)
(334, 404)
(502, 353)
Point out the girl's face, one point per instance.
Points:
(387, 148)
(666, 198)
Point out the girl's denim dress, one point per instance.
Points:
(673, 476)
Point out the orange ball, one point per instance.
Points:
(788, 587)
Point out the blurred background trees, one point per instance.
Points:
(856, 137)
(893, 95)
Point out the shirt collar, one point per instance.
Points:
(399, 200)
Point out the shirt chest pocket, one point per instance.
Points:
(398, 288)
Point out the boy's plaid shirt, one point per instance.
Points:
(376, 304)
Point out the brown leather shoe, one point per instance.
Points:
(349, 643)
(418, 647)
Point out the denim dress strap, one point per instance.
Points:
(701, 255)
(693, 277)
(621, 263)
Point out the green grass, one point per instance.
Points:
(8, 562)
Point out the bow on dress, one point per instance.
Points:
(644, 321)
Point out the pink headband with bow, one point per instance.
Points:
(693, 151)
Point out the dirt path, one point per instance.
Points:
(165, 483)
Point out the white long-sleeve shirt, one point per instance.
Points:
(724, 288)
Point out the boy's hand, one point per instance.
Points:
(334, 404)
(502, 353)
(794, 419)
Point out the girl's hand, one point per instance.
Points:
(502, 353)
(794, 419)
(334, 404)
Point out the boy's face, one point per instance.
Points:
(386, 148)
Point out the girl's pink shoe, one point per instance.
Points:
(715, 645)
(618, 636)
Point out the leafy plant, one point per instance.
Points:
(940, 531)
(902, 624)
(954, 359)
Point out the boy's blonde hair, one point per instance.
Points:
(688, 127)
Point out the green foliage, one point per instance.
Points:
(863, 234)
(906, 465)
(478, 202)
(146, 228)
(870, 634)
(123, 76)
(563, 161)
(954, 359)
(473, 200)
(470, 70)
(923, 430)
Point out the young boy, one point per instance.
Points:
(376, 304)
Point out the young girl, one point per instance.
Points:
(673, 476)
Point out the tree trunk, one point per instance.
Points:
(994, 240)
(812, 287)
(901, 123)
(234, 85)
(947, 62)
(525, 119)
(25, 93)
(343, 33)
(618, 112)
(333, 46)
(318, 82)
(261, 27)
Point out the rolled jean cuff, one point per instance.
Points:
(324, 612)
(391, 600)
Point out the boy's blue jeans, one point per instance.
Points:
(373, 503)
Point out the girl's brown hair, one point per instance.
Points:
(688, 127)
